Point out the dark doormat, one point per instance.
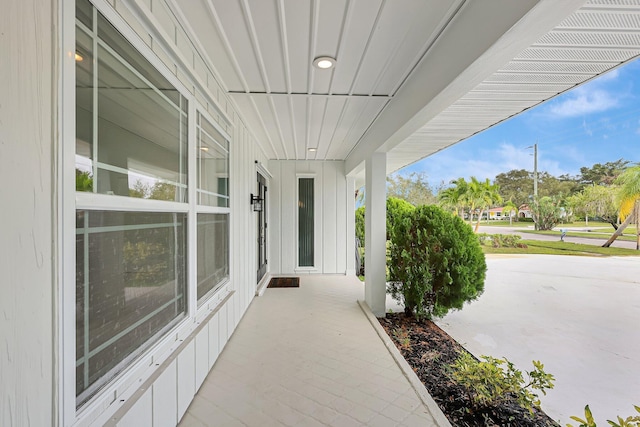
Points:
(284, 282)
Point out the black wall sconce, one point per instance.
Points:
(256, 202)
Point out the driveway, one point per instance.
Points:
(580, 316)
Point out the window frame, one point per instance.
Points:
(101, 405)
(316, 223)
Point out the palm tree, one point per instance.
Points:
(629, 202)
(511, 209)
(483, 195)
(454, 198)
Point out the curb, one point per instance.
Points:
(435, 411)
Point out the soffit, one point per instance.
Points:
(599, 36)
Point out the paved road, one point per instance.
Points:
(578, 315)
(586, 241)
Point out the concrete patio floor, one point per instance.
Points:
(307, 356)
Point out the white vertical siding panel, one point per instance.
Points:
(165, 398)
(222, 327)
(202, 356)
(214, 345)
(341, 219)
(274, 225)
(186, 378)
(317, 169)
(329, 226)
(289, 224)
(141, 414)
(28, 42)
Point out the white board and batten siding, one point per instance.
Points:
(330, 210)
(158, 388)
(27, 224)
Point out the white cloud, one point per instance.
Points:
(582, 101)
(488, 162)
(587, 128)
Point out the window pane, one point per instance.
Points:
(213, 251)
(130, 286)
(305, 223)
(134, 143)
(213, 166)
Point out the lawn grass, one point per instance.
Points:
(585, 234)
(561, 248)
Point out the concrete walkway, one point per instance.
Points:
(580, 316)
(307, 357)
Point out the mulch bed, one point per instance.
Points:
(429, 351)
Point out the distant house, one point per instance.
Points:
(524, 211)
(496, 213)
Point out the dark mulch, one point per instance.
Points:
(429, 351)
(284, 282)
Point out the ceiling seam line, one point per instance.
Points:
(255, 44)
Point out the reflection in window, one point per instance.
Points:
(305, 223)
(131, 123)
(130, 286)
(213, 252)
(213, 165)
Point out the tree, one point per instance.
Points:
(546, 212)
(511, 209)
(454, 198)
(597, 201)
(515, 185)
(413, 188)
(436, 262)
(482, 195)
(602, 174)
(629, 202)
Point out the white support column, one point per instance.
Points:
(351, 226)
(376, 232)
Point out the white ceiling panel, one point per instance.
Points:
(427, 64)
(269, 38)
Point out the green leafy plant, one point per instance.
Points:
(501, 240)
(435, 262)
(588, 420)
(402, 338)
(492, 381)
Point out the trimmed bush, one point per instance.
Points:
(435, 263)
(501, 240)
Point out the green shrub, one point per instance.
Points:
(360, 225)
(588, 420)
(493, 381)
(547, 212)
(396, 208)
(435, 262)
(501, 240)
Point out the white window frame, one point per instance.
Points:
(316, 223)
(104, 403)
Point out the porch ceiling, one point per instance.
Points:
(412, 77)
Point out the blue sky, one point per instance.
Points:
(594, 123)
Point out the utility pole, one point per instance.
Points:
(535, 171)
(535, 177)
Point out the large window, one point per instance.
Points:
(131, 251)
(131, 123)
(130, 285)
(213, 207)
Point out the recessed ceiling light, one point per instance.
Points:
(312, 150)
(79, 57)
(324, 62)
(204, 148)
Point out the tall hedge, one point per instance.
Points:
(436, 262)
(395, 208)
